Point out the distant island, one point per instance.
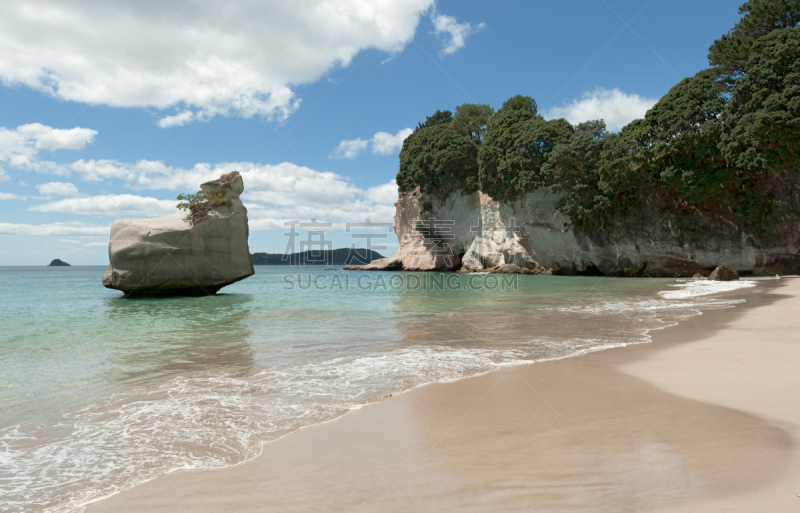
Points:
(342, 256)
(58, 263)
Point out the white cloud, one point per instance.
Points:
(239, 58)
(96, 245)
(382, 143)
(20, 147)
(7, 196)
(120, 205)
(349, 149)
(57, 189)
(454, 33)
(103, 169)
(272, 218)
(385, 194)
(69, 241)
(289, 185)
(273, 193)
(49, 138)
(179, 119)
(3, 175)
(615, 107)
(56, 229)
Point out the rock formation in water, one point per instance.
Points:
(722, 273)
(188, 253)
(58, 263)
(473, 232)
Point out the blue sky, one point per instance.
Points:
(111, 109)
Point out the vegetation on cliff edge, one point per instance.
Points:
(200, 203)
(725, 140)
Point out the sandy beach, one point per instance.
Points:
(704, 418)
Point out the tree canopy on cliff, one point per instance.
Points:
(676, 141)
(471, 120)
(730, 53)
(517, 144)
(762, 118)
(523, 103)
(724, 140)
(438, 160)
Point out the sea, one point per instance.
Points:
(99, 393)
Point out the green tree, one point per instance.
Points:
(761, 126)
(516, 145)
(617, 177)
(499, 164)
(440, 117)
(729, 54)
(471, 119)
(519, 102)
(762, 121)
(573, 168)
(534, 142)
(678, 139)
(439, 161)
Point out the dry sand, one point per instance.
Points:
(705, 418)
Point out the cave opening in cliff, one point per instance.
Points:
(591, 270)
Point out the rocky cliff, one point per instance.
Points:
(187, 253)
(474, 232)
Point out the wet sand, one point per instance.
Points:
(704, 418)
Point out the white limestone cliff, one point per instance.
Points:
(477, 233)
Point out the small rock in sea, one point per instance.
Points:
(698, 276)
(722, 273)
(58, 263)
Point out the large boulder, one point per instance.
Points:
(722, 273)
(187, 253)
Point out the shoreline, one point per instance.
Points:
(288, 472)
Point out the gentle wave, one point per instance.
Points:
(209, 422)
(691, 295)
(697, 288)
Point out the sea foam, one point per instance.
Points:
(695, 288)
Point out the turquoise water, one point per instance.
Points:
(99, 393)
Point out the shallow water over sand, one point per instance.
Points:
(99, 393)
